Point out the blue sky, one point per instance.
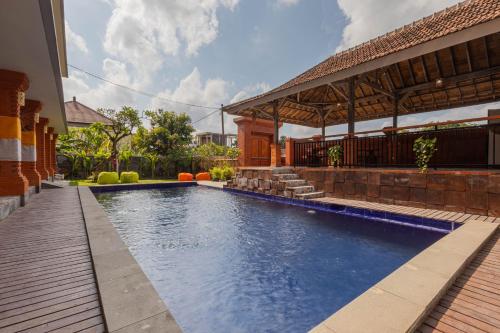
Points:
(211, 52)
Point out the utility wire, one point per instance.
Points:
(208, 115)
(143, 92)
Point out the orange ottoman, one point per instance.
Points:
(185, 177)
(203, 176)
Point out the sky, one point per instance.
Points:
(213, 52)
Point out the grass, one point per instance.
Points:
(86, 182)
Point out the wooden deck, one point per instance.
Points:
(47, 279)
(472, 304)
(424, 212)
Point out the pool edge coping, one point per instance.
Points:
(129, 300)
(403, 299)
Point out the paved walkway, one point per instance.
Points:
(423, 212)
(472, 304)
(47, 279)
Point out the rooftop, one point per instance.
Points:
(78, 114)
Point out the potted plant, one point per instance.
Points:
(335, 155)
(424, 150)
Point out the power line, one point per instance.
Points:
(208, 115)
(141, 92)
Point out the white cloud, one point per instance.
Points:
(371, 18)
(143, 33)
(286, 3)
(75, 40)
(104, 95)
(250, 91)
(192, 90)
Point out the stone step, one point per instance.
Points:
(295, 182)
(300, 189)
(310, 195)
(280, 171)
(285, 176)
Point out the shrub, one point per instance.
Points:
(107, 178)
(227, 173)
(335, 155)
(129, 177)
(424, 150)
(216, 173)
(223, 173)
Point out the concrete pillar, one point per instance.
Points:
(275, 155)
(12, 88)
(48, 151)
(289, 152)
(41, 130)
(29, 115)
(54, 153)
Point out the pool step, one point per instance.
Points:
(281, 171)
(310, 195)
(295, 183)
(300, 189)
(285, 176)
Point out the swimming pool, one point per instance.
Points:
(229, 263)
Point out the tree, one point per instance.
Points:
(123, 123)
(170, 133)
(87, 148)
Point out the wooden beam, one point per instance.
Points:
(486, 52)
(378, 87)
(339, 91)
(410, 70)
(453, 80)
(467, 53)
(424, 68)
(452, 59)
(438, 64)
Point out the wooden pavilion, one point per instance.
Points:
(447, 60)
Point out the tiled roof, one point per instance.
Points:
(77, 113)
(453, 19)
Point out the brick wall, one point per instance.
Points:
(474, 192)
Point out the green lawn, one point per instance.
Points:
(85, 182)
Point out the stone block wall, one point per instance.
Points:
(474, 192)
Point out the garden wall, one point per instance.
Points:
(474, 192)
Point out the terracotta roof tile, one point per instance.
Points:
(78, 113)
(453, 19)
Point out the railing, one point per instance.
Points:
(460, 147)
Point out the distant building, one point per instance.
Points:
(207, 137)
(79, 115)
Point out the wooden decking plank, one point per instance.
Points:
(473, 322)
(47, 281)
(472, 303)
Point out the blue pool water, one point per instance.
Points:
(229, 263)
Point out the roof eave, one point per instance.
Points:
(449, 40)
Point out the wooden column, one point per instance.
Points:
(276, 119)
(41, 130)
(53, 152)
(395, 109)
(275, 146)
(350, 107)
(12, 88)
(323, 133)
(28, 142)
